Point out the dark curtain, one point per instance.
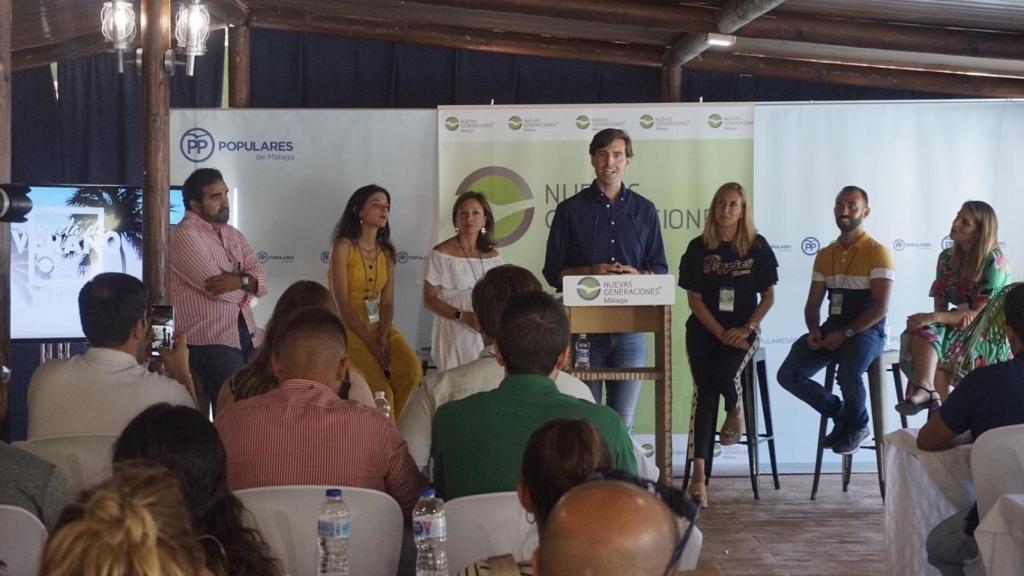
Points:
(35, 155)
(100, 112)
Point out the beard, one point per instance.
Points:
(851, 224)
(222, 216)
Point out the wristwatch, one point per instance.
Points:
(458, 314)
(246, 281)
(849, 333)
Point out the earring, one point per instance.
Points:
(530, 518)
(483, 230)
(360, 221)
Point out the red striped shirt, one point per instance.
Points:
(302, 433)
(199, 251)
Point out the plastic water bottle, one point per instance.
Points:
(382, 403)
(334, 530)
(430, 531)
(582, 353)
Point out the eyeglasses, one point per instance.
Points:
(678, 501)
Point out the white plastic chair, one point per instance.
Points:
(997, 465)
(22, 537)
(487, 525)
(84, 459)
(287, 515)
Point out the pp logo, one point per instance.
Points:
(325, 256)
(588, 288)
(262, 257)
(197, 145)
(510, 198)
(402, 257)
(451, 123)
(898, 244)
(715, 120)
(646, 121)
(582, 122)
(947, 243)
(810, 245)
(515, 122)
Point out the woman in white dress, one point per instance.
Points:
(453, 268)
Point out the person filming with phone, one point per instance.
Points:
(101, 390)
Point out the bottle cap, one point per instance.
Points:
(378, 394)
(428, 492)
(334, 492)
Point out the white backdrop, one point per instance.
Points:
(918, 161)
(291, 173)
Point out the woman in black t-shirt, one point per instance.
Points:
(724, 271)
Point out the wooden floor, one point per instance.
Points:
(786, 533)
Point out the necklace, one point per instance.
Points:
(470, 260)
(364, 256)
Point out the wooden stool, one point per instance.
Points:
(876, 373)
(756, 368)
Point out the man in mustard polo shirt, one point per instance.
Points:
(857, 273)
(477, 442)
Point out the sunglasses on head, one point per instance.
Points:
(678, 501)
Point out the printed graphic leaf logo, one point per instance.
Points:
(515, 122)
(582, 122)
(588, 288)
(451, 123)
(646, 121)
(715, 120)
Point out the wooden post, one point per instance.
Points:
(6, 12)
(671, 83)
(238, 66)
(156, 135)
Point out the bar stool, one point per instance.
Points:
(756, 368)
(876, 373)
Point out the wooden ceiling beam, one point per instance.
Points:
(734, 15)
(230, 12)
(67, 49)
(778, 26)
(865, 76)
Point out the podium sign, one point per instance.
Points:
(619, 290)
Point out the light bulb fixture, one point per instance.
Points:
(117, 22)
(191, 29)
(715, 39)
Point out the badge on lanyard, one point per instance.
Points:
(373, 309)
(726, 299)
(835, 307)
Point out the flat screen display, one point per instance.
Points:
(72, 234)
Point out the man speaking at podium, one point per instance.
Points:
(608, 229)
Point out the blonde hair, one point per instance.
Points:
(134, 524)
(745, 231)
(970, 260)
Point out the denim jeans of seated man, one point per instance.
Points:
(854, 357)
(617, 351)
(950, 549)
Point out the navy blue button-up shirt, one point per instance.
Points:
(588, 229)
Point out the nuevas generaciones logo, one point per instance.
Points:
(197, 145)
(646, 121)
(510, 198)
(515, 122)
(715, 120)
(810, 245)
(588, 288)
(582, 122)
(451, 123)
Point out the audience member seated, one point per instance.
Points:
(490, 295)
(478, 441)
(257, 377)
(561, 454)
(967, 276)
(185, 442)
(134, 524)
(608, 528)
(30, 483)
(303, 433)
(101, 390)
(989, 397)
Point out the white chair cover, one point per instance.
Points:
(998, 464)
(1000, 537)
(487, 525)
(22, 537)
(84, 459)
(287, 515)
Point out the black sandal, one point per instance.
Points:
(908, 408)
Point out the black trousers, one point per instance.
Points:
(716, 370)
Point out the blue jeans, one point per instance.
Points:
(211, 365)
(618, 351)
(854, 357)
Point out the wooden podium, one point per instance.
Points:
(622, 319)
